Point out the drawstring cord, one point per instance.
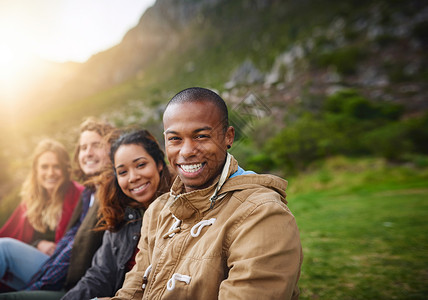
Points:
(146, 275)
(201, 225)
(222, 180)
(171, 282)
(177, 277)
(175, 228)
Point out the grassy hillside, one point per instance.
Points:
(363, 229)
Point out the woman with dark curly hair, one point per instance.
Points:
(137, 177)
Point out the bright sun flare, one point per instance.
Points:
(15, 63)
(15, 69)
(35, 33)
(9, 62)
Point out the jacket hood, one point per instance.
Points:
(186, 204)
(250, 181)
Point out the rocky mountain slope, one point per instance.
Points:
(282, 52)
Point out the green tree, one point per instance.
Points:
(299, 144)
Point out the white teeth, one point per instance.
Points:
(91, 162)
(139, 188)
(191, 168)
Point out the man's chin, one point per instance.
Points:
(192, 185)
(92, 173)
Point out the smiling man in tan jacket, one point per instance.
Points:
(222, 232)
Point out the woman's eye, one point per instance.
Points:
(140, 165)
(121, 173)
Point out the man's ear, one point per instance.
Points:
(229, 136)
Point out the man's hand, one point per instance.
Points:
(46, 247)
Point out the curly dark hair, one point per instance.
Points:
(113, 201)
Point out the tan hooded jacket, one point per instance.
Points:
(247, 246)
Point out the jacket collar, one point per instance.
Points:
(196, 203)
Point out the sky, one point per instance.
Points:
(33, 31)
(63, 30)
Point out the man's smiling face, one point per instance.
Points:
(93, 152)
(196, 142)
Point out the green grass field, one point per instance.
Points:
(363, 227)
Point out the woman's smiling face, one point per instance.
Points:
(138, 175)
(49, 172)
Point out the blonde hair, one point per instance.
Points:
(44, 212)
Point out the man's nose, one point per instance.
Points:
(188, 148)
(90, 150)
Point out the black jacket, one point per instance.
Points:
(107, 273)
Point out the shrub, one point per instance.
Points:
(299, 144)
(359, 108)
(350, 103)
(417, 133)
(260, 163)
(345, 60)
(390, 141)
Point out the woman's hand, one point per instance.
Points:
(46, 247)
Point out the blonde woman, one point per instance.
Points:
(48, 198)
(20, 263)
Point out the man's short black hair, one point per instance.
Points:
(198, 94)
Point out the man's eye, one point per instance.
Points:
(202, 136)
(173, 138)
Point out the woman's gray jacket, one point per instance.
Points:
(107, 272)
